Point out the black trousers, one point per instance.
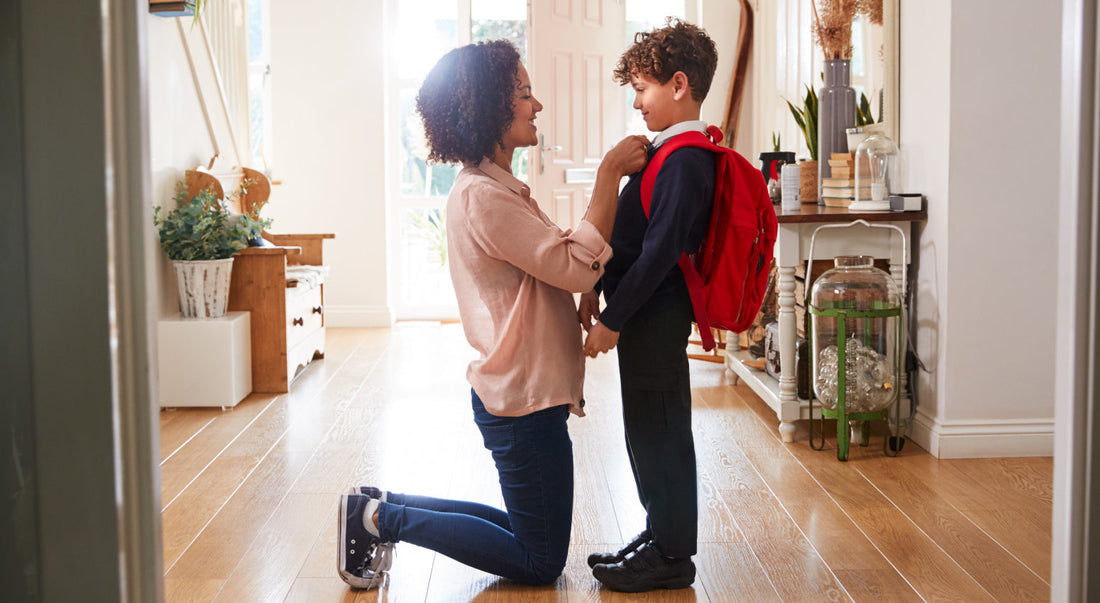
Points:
(656, 390)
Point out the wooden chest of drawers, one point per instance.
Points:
(288, 317)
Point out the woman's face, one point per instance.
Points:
(522, 132)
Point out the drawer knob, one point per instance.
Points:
(318, 309)
(298, 322)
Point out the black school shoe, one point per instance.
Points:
(362, 558)
(597, 558)
(646, 569)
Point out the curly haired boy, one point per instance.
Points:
(648, 312)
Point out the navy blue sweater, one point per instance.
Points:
(643, 264)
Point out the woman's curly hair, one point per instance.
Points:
(467, 103)
(678, 46)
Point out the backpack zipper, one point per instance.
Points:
(748, 277)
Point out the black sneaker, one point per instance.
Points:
(362, 558)
(646, 569)
(597, 558)
(370, 491)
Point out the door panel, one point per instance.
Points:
(574, 44)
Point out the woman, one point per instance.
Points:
(514, 272)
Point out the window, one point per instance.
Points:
(422, 32)
(259, 86)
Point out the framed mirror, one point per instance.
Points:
(875, 65)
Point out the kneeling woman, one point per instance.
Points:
(514, 272)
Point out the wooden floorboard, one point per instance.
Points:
(250, 494)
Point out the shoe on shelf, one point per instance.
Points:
(597, 558)
(370, 491)
(362, 558)
(646, 569)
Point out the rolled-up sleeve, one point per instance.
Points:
(512, 229)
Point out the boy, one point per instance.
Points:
(648, 313)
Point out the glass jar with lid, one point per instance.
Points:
(855, 325)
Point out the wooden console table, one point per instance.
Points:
(792, 248)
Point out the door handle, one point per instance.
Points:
(543, 150)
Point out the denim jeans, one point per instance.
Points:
(527, 543)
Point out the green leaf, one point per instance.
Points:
(863, 111)
(806, 118)
(797, 117)
(199, 228)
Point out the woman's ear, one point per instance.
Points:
(680, 85)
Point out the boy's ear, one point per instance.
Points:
(680, 86)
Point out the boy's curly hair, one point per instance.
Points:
(678, 46)
(466, 101)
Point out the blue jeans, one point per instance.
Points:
(529, 542)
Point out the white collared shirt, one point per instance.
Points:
(696, 125)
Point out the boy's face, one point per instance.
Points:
(655, 100)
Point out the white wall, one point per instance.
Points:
(721, 19)
(979, 100)
(178, 137)
(328, 125)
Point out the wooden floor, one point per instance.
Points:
(250, 494)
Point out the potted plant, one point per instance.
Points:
(806, 118)
(200, 236)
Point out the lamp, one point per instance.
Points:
(876, 173)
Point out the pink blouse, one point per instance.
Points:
(513, 272)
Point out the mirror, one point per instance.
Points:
(875, 65)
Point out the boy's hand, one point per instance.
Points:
(589, 309)
(627, 157)
(600, 339)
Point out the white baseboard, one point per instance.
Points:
(984, 439)
(358, 316)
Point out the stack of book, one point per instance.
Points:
(172, 8)
(839, 189)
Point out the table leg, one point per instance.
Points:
(733, 344)
(788, 338)
(903, 402)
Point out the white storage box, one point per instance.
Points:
(204, 361)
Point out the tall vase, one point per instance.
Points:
(836, 113)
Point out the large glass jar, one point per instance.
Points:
(855, 322)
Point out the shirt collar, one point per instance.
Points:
(504, 177)
(695, 125)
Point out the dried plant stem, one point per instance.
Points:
(817, 23)
(833, 27)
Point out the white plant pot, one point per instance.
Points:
(203, 287)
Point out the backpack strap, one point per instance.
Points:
(691, 276)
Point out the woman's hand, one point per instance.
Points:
(626, 157)
(589, 309)
(600, 339)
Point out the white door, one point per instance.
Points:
(574, 45)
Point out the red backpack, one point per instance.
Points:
(728, 275)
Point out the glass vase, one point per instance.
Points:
(836, 113)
